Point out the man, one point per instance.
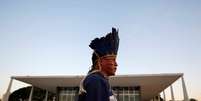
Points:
(95, 86)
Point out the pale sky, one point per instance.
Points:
(51, 37)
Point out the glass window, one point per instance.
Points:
(68, 93)
(68, 97)
(122, 93)
(137, 98)
(64, 98)
(132, 98)
(127, 93)
(73, 98)
(126, 98)
(120, 97)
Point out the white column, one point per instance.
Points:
(172, 93)
(164, 97)
(31, 94)
(54, 98)
(123, 94)
(159, 97)
(46, 96)
(7, 94)
(185, 94)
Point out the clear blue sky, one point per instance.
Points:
(51, 37)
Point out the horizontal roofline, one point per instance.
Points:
(78, 76)
(150, 84)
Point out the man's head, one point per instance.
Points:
(107, 64)
(105, 52)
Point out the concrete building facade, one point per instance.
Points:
(144, 87)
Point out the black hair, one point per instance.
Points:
(94, 62)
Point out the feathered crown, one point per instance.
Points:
(107, 45)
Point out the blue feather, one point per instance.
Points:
(106, 45)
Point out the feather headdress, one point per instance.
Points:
(107, 45)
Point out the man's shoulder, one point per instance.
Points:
(95, 77)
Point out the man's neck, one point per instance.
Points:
(104, 74)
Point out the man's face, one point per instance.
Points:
(108, 65)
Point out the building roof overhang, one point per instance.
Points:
(150, 84)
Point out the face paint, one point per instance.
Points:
(108, 65)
